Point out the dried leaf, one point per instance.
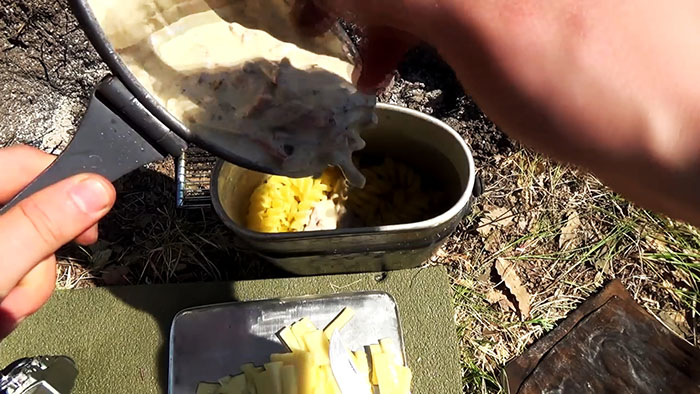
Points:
(676, 322)
(682, 276)
(599, 279)
(506, 270)
(671, 289)
(603, 266)
(497, 297)
(657, 242)
(524, 223)
(438, 255)
(494, 217)
(492, 243)
(570, 232)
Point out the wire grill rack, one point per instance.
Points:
(193, 176)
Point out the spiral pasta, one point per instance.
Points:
(393, 194)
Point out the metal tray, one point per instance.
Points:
(209, 342)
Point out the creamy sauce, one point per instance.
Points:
(238, 73)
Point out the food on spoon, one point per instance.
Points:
(239, 74)
(307, 371)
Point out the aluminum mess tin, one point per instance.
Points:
(210, 342)
(409, 136)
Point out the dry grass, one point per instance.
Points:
(533, 200)
(146, 240)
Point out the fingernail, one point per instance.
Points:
(90, 195)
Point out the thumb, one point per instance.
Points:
(39, 225)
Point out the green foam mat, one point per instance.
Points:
(119, 336)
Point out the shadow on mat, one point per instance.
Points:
(163, 302)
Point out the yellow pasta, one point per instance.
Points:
(393, 194)
(282, 204)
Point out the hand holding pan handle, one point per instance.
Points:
(116, 136)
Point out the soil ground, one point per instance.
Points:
(562, 231)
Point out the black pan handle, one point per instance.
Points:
(116, 136)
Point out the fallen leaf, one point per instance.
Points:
(603, 266)
(506, 269)
(599, 279)
(492, 243)
(524, 223)
(676, 322)
(495, 296)
(494, 217)
(682, 276)
(672, 290)
(438, 255)
(657, 242)
(570, 232)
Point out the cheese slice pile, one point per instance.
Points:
(306, 368)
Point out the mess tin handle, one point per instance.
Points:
(116, 136)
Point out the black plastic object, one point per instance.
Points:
(116, 136)
(610, 344)
(39, 375)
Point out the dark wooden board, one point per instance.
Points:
(608, 345)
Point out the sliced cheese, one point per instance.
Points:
(387, 375)
(305, 367)
(264, 383)
(339, 322)
(389, 348)
(374, 351)
(290, 340)
(250, 372)
(300, 328)
(207, 388)
(289, 379)
(275, 369)
(361, 362)
(405, 377)
(318, 345)
(235, 385)
(330, 383)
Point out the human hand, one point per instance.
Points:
(382, 47)
(35, 228)
(611, 86)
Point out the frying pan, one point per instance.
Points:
(126, 127)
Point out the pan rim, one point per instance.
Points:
(442, 219)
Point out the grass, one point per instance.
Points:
(657, 259)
